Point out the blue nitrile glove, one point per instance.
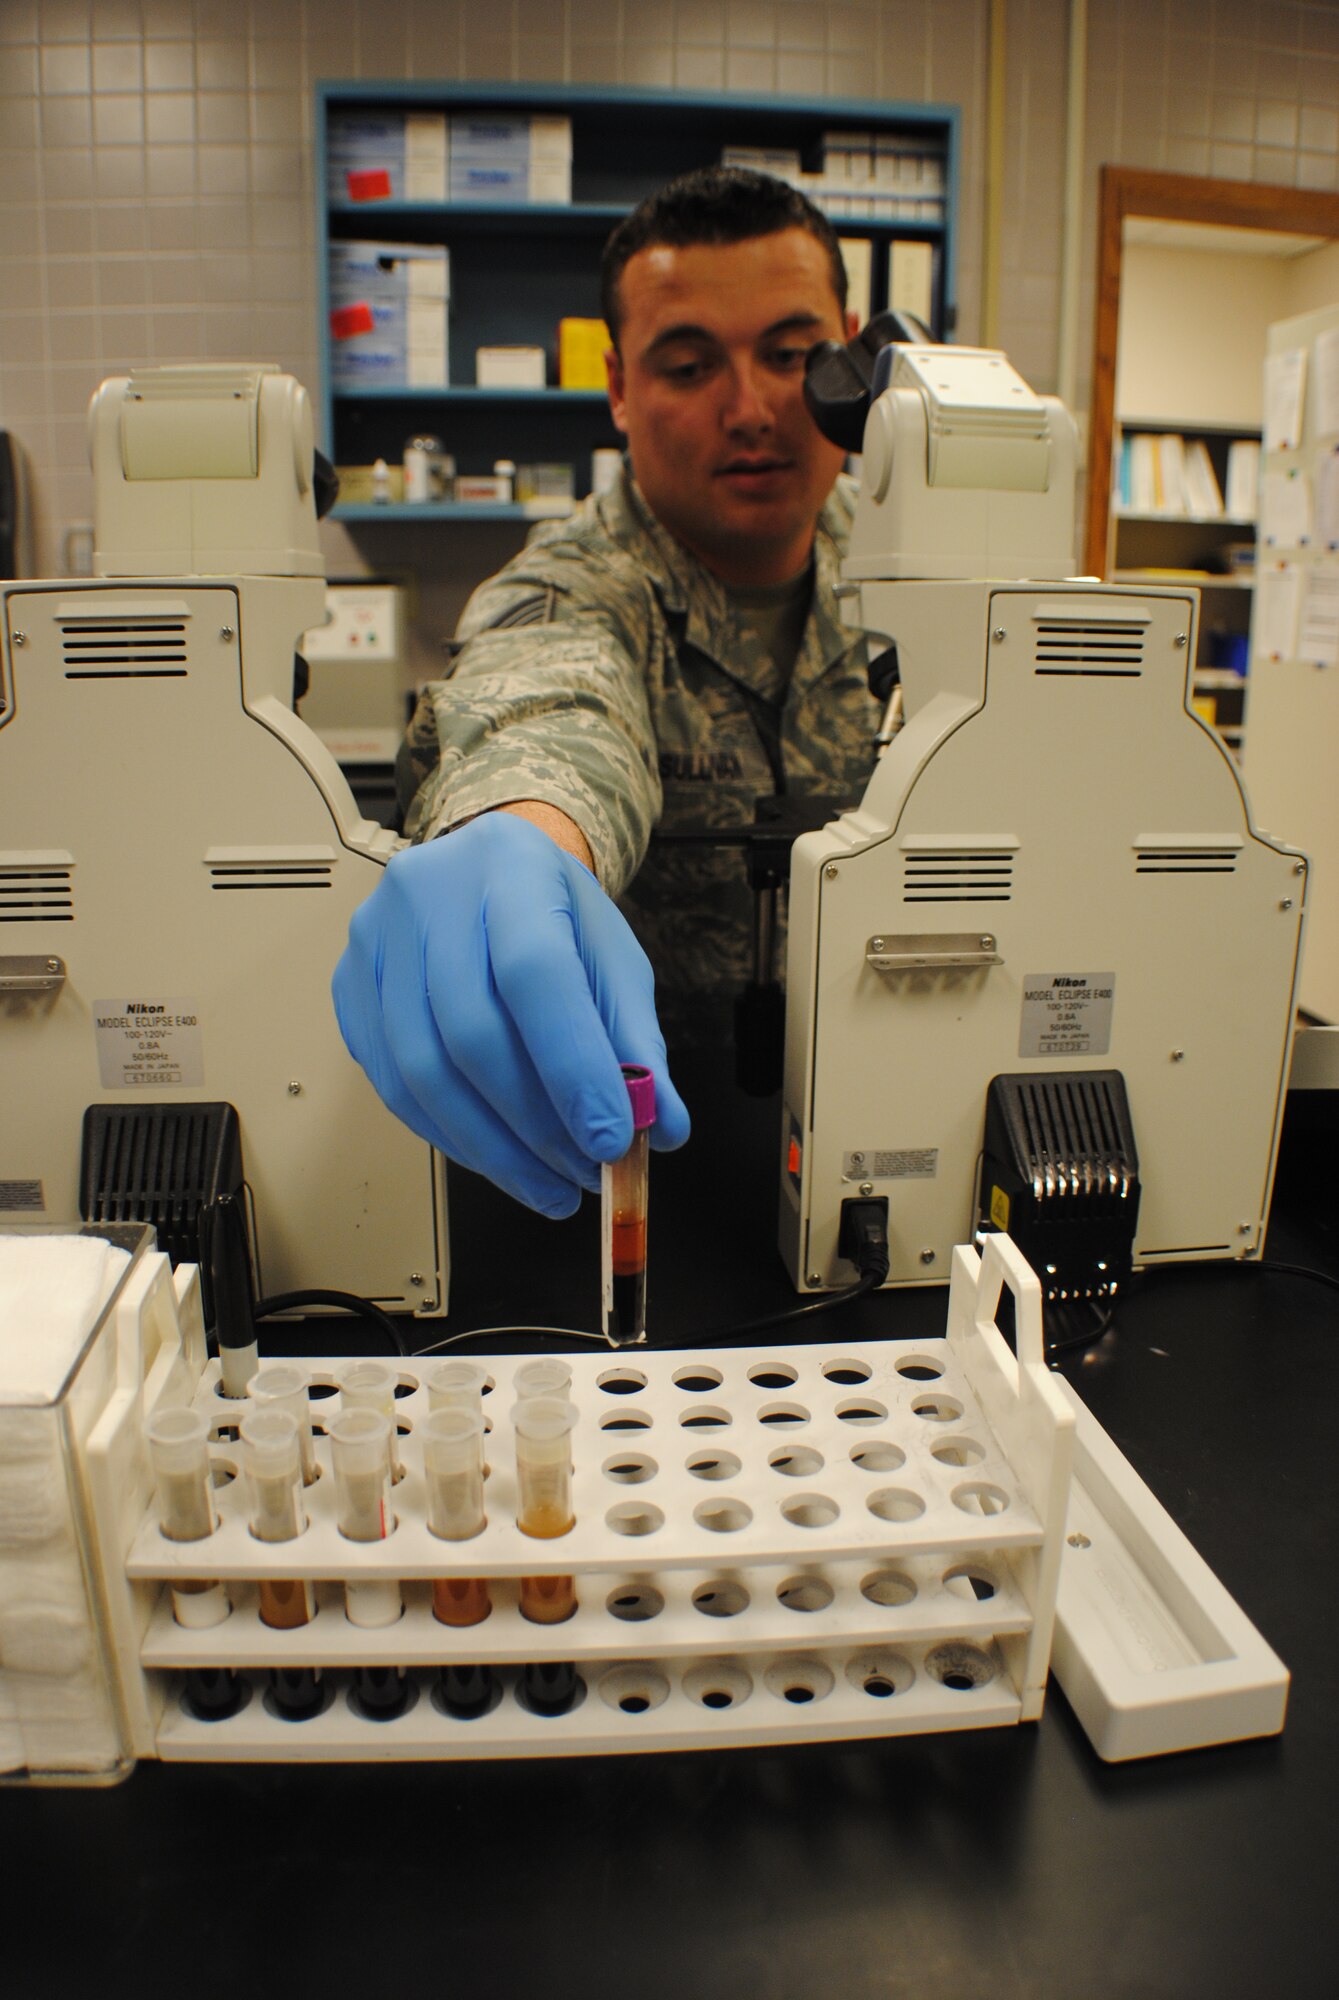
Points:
(491, 989)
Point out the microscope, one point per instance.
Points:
(1042, 978)
(179, 859)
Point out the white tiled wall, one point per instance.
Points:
(156, 186)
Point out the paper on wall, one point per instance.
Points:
(1327, 499)
(1285, 509)
(1285, 377)
(1325, 384)
(1318, 638)
(1277, 594)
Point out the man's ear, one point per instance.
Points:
(617, 401)
(852, 325)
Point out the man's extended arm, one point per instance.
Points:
(490, 988)
(547, 702)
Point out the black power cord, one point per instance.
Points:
(863, 1241)
(1297, 1271)
(349, 1302)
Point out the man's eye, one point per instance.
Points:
(686, 372)
(789, 358)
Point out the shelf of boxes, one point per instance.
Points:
(514, 189)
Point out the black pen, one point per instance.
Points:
(226, 1252)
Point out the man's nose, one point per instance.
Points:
(748, 405)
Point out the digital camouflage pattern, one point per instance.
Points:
(606, 671)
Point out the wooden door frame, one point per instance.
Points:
(1137, 191)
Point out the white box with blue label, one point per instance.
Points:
(391, 156)
(510, 160)
(389, 307)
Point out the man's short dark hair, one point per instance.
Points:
(713, 205)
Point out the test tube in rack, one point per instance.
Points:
(453, 1471)
(623, 1196)
(455, 1385)
(543, 1426)
(549, 1375)
(370, 1385)
(360, 1447)
(458, 1385)
(274, 1477)
(283, 1385)
(178, 1442)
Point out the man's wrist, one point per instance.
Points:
(553, 821)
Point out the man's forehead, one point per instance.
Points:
(768, 278)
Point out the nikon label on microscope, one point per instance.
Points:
(148, 1043)
(1066, 1013)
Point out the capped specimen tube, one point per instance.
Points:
(453, 1470)
(178, 1442)
(455, 1385)
(547, 1376)
(283, 1386)
(370, 1385)
(274, 1474)
(544, 1427)
(623, 1220)
(359, 1445)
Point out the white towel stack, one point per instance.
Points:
(54, 1710)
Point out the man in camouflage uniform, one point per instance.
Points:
(607, 671)
(658, 662)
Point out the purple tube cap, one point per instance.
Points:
(641, 1095)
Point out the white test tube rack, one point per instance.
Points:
(772, 1544)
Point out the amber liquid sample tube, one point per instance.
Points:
(274, 1476)
(178, 1442)
(274, 1473)
(453, 1470)
(370, 1385)
(623, 1194)
(282, 1385)
(544, 1427)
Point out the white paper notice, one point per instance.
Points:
(1318, 638)
(1325, 384)
(1285, 509)
(1327, 499)
(1277, 592)
(1285, 377)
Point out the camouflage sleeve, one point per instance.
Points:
(546, 699)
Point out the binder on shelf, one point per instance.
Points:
(1169, 473)
(1204, 497)
(1243, 478)
(1143, 482)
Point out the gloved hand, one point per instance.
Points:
(491, 989)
